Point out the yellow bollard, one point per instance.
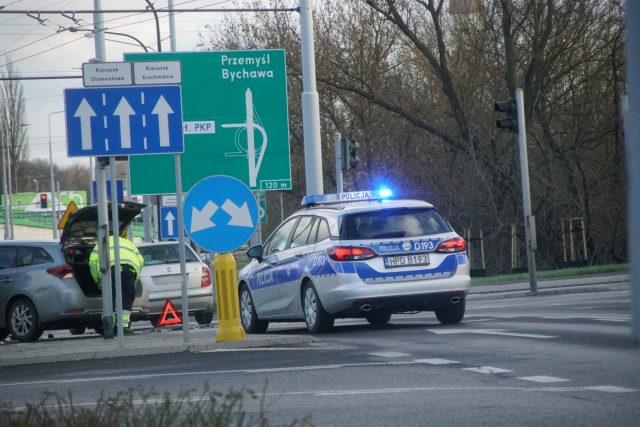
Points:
(229, 327)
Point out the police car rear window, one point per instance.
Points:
(393, 223)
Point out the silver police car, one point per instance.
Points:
(355, 255)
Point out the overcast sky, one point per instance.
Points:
(37, 47)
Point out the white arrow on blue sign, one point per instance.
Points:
(169, 222)
(123, 121)
(220, 213)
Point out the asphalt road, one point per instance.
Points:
(563, 359)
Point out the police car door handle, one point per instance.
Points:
(6, 280)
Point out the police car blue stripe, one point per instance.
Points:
(445, 269)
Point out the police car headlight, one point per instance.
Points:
(350, 253)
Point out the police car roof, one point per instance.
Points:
(338, 209)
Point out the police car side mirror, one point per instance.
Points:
(255, 252)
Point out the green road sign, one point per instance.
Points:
(235, 122)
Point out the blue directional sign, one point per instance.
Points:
(123, 121)
(119, 190)
(220, 213)
(168, 222)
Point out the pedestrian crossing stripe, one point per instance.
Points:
(169, 315)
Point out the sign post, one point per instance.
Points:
(106, 122)
(220, 215)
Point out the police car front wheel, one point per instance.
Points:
(315, 316)
(250, 322)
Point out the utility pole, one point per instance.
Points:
(310, 104)
(632, 136)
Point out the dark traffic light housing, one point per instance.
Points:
(349, 156)
(509, 122)
(43, 201)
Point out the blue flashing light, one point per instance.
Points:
(385, 193)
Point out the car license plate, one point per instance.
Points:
(406, 260)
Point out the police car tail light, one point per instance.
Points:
(451, 245)
(350, 253)
(61, 271)
(206, 278)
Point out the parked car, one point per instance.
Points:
(355, 254)
(162, 278)
(46, 284)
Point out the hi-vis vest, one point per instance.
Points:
(129, 255)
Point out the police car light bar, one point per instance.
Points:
(354, 196)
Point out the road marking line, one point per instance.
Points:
(610, 389)
(499, 332)
(436, 361)
(389, 354)
(543, 379)
(488, 370)
(329, 393)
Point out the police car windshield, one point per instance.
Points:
(393, 223)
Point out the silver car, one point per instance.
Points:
(161, 277)
(39, 291)
(46, 284)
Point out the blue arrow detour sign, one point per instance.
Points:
(220, 213)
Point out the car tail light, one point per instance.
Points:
(350, 253)
(206, 278)
(61, 271)
(451, 245)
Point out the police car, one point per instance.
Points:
(355, 255)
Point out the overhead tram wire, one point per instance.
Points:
(191, 10)
(129, 11)
(133, 14)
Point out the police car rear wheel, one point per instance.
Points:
(451, 314)
(250, 322)
(315, 316)
(379, 318)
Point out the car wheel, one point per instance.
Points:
(379, 318)
(23, 321)
(203, 317)
(315, 316)
(78, 331)
(248, 316)
(451, 314)
(3, 333)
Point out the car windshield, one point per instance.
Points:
(393, 223)
(165, 254)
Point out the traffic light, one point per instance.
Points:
(43, 201)
(349, 157)
(353, 158)
(509, 122)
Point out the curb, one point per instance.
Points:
(143, 349)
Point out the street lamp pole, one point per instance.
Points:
(54, 225)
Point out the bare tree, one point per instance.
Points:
(415, 83)
(13, 128)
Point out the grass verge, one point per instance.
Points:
(143, 409)
(552, 274)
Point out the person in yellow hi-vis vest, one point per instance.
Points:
(131, 263)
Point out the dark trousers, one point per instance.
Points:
(128, 280)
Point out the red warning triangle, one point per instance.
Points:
(169, 315)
